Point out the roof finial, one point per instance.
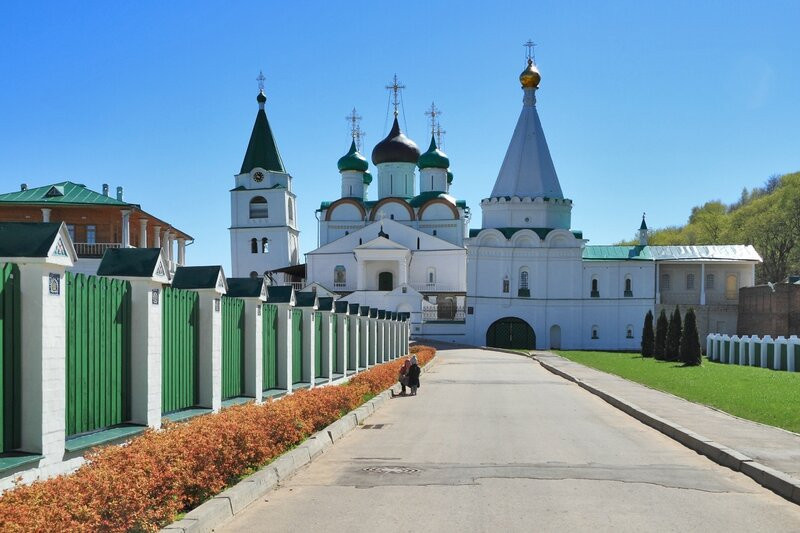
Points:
(260, 79)
(433, 112)
(395, 87)
(530, 54)
(355, 127)
(439, 132)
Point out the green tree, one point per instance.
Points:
(648, 337)
(659, 346)
(690, 340)
(673, 344)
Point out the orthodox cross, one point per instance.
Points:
(531, 53)
(395, 87)
(439, 132)
(355, 127)
(260, 79)
(433, 113)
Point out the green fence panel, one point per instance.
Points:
(180, 349)
(232, 347)
(337, 365)
(736, 346)
(771, 355)
(783, 356)
(318, 329)
(270, 347)
(10, 356)
(797, 357)
(98, 352)
(297, 345)
(354, 340)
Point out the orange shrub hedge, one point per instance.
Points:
(144, 484)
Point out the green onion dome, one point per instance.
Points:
(449, 178)
(352, 160)
(367, 178)
(433, 158)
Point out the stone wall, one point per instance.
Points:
(763, 311)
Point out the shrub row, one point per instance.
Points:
(144, 484)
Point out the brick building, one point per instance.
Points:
(95, 221)
(770, 310)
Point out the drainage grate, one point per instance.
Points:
(373, 426)
(391, 470)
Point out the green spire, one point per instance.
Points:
(433, 158)
(352, 160)
(262, 150)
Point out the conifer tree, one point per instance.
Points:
(659, 347)
(690, 340)
(673, 344)
(648, 337)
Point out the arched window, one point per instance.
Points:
(254, 246)
(523, 291)
(629, 332)
(595, 332)
(264, 245)
(391, 217)
(689, 282)
(259, 207)
(665, 282)
(254, 274)
(339, 277)
(709, 282)
(731, 287)
(628, 287)
(595, 292)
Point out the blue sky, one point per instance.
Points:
(646, 106)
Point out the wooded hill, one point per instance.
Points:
(768, 217)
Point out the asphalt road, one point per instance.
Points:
(495, 442)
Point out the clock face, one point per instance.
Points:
(258, 177)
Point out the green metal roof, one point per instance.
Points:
(367, 179)
(196, 277)
(245, 287)
(416, 201)
(341, 306)
(433, 158)
(279, 294)
(363, 310)
(62, 193)
(352, 160)
(27, 239)
(262, 150)
(305, 299)
(373, 312)
(325, 303)
(381, 313)
(354, 308)
(617, 253)
(129, 262)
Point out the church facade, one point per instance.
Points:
(524, 279)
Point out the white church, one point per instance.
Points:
(525, 279)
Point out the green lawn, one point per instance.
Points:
(767, 396)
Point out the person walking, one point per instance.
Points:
(412, 375)
(402, 376)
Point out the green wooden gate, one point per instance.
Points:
(98, 352)
(511, 332)
(297, 345)
(270, 346)
(180, 349)
(337, 365)
(318, 329)
(10, 355)
(232, 347)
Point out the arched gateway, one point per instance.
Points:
(511, 332)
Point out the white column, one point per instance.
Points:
(702, 284)
(364, 342)
(146, 352)
(709, 348)
(284, 354)
(326, 344)
(794, 351)
(210, 344)
(142, 233)
(43, 361)
(168, 245)
(46, 214)
(373, 340)
(403, 271)
(253, 344)
(181, 251)
(658, 289)
(361, 282)
(156, 236)
(126, 228)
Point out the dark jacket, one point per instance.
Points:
(413, 376)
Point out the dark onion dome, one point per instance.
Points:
(433, 158)
(449, 178)
(261, 98)
(367, 178)
(395, 148)
(352, 160)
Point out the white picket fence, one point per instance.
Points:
(765, 352)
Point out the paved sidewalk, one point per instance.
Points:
(773, 447)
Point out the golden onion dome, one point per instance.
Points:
(530, 77)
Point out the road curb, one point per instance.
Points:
(227, 504)
(778, 482)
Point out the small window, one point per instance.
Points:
(731, 287)
(628, 288)
(505, 284)
(595, 292)
(417, 243)
(629, 332)
(689, 282)
(595, 332)
(665, 282)
(91, 235)
(254, 246)
(709, 282)
(523, 279)
(391, 217)
(264, 245)
(431, 275)
(259, 207)
(291, 209)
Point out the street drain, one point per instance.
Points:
(391, 470)
(372, 426)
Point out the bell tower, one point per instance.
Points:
(264, 234)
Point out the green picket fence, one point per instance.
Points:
(98, 352)
(297, 345)
(180, 349)
(318, 329)
(10, 356)
(232, 347)
(270, 346)
(337, 365)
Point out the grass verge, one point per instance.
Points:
(759, 394)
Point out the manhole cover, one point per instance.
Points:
(391, 470)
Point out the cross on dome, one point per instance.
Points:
(433, 112)
(260, 79)
(531, 53)
(395, 87)
(355, 127)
